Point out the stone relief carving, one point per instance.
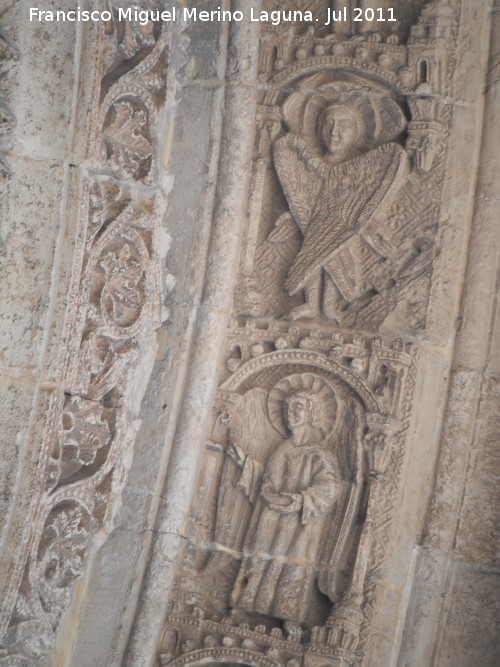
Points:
(335, 192)
(301, 471)
(362, 205)
(289, 512)
(297, 491)
(125, 138)
(85, 432)
(292, 494)
(114, 306)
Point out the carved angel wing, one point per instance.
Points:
(302, 176)
(339, 532)
(354, 192)
(254, 434)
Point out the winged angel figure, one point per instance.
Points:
(339, 167)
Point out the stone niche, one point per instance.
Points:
(306, 445)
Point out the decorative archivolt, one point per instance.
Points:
(305, 429)
(114, 307)
(223, 656)
(305, 358)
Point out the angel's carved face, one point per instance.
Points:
(341, 130)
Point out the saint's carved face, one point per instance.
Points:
(341, 129)
(296, 412)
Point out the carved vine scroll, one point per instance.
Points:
(115, 305)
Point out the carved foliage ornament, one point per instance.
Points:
(46, 589)
(115, 305)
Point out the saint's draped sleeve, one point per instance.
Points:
(272, 483)
(320, 495)
(250, 478)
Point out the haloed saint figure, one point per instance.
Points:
(338, 171)
(294, 495)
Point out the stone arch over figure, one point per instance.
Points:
(297, 493)
(232, 657)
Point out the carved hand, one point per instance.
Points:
(236, 454)
(285, 503)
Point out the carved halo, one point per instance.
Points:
(301, 382)
(382, 115)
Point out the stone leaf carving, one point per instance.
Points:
(126, 139)
(107, 199)
(61, 555)
(46, 589)
(123, 289)
(130, 37)
(84, 432)
(114, 307)
(134, 89)
(102, 364)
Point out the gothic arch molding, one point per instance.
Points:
(223, 656)
(305, 358)
(345, 66)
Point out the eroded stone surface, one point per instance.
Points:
(293, 441)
